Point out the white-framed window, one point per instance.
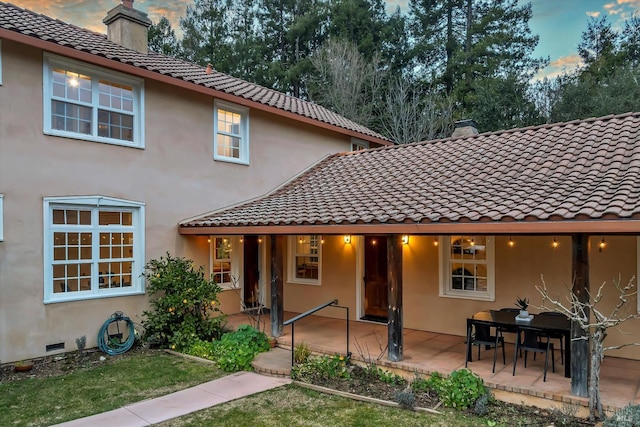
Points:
(93, 248)
(359, 145)
(467, 267)
(230, 133)
(86, 102)
(1, 217)
(224, 260)
(305, 259)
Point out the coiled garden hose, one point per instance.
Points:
(113, 344)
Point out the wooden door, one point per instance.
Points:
(251, 286)
(375, 278)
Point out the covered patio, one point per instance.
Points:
(426, 352)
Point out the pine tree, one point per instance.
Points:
(162, 38)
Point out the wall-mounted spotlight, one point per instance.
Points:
(405, 239)
(347, 239)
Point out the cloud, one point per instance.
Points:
(559, 66)
(593, 14)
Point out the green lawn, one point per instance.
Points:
(297, 406)
(135, 377)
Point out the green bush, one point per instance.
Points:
(629, 416)
(184, 305)
(383, 375)
(460, 390)
(321, 368)
(236, 350)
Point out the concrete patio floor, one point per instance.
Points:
(425, 352)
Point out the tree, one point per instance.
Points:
(598, 48)
(345, 81)
(411, 115)
(361, 22)
(595, 330)
(162, 38)
(206, 37)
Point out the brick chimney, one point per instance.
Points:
(127, 26)
(465, 128)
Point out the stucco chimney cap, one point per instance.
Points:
(464, 128)
(125, 10)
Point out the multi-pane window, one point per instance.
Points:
(467, 266)
(88, 103)
(231, 133)
(305, 258)
(92, 250)
(221, 260)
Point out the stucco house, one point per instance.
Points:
(104, 148)
(425, 235)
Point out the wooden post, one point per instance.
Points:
(277, 280)
(580, 355)
(394, 286)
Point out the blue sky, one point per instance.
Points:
(558, 22)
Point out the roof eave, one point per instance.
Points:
(152, 75)
(593, 226)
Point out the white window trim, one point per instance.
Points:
(236, 256)
(445, 277)
(291, 248)
(356, 143)
(1, 217)
(244, 132)
(92, 202)
(50, 61)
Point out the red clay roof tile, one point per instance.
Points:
(566, 171)
(42, 27)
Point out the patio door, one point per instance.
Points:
(375, 278)
(251, 273)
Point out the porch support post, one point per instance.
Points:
(277, 290)
(394, 280)
(580, 355)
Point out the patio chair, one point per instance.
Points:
(533, 341)
(481, 336)
(513, 330)
(557, 335)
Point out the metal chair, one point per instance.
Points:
(532, 342)
(513, 330)
(482, 337)
(557, 335)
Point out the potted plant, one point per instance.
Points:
(523, 304)
(22, 366)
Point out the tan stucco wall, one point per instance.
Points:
(518, 270)
(175, 176)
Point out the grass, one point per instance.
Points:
(125, 380)
(296, 406)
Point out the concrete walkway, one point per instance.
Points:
(183, 402)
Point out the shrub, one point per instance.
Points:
(184, 305)
(321, 368)
(406, 398)
(301, 353)
(629, 416)
(383, 375)
(461, 389)
(236, 350)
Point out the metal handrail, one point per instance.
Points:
(293, 320)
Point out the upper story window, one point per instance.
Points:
(359, 145)
(86, 102)
(224, 262)
(467, 267)
(231, 133)
(93, 248)
(305, 259)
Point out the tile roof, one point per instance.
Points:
(42, 27)
(579, 170)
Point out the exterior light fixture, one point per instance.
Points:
(322, 241)
(405, 239)
(511, 243)
(435, 241)
(347, 239)
(555, 243)
(259, 239)
(241, 239)
(602, 244)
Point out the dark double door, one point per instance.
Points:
(375, 279)
(251, 273)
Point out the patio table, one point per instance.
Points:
(545, 323)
